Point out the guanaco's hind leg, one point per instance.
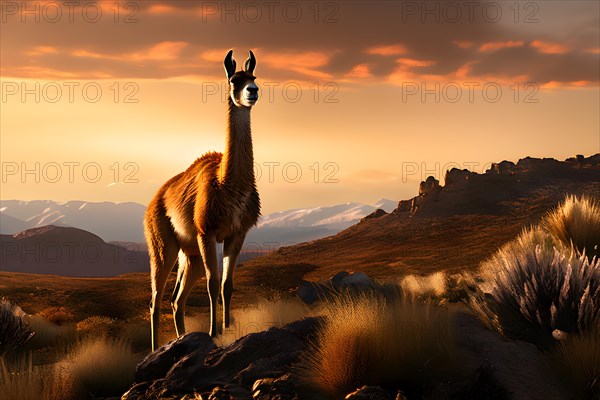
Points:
(208, 249)
(231, 250)
(189, 272)
(162, 248)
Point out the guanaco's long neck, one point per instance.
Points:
(237, 165)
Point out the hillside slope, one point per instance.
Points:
(445, 228)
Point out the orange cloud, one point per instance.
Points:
(306, 63)
(415, 63)
(214, 55)
(493, 46)
(548, 47)
(560, 85)
(163, 51)
(391, 50)
(41, 50)
(161, 9)
(359, 71)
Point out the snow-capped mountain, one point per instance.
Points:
(339, 216)
(123, 221)
(110, 221)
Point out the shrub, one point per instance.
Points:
(371, 340)
(57, 315)
(532, 288)
(97, 326)
(576, 222)
(14, 331)
(578, 362)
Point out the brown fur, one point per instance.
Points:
(214, 200)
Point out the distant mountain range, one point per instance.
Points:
(122, 222)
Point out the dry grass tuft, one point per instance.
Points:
(433, 285)
(532, 288)
(578, 362)
(576, 222)
(101, 367)
(371, 340)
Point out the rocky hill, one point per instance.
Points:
(445, 228)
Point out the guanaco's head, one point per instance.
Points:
(242, 89)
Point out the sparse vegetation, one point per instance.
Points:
(533, 288)
(371, 340)
(576, 222)
(57, 315)
(14, 331)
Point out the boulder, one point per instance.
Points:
(268, 354)
(158, 363)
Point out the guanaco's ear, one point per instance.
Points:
(229, 64)
(250, 63)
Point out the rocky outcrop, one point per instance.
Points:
(193, 364)
(429, 187)
(466, 192)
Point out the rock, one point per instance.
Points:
(403, 206)
(357, 279)
(282, 388)
(375, 214)
(336, 281)
(368, 393)
(559, 335)
(503, 168)
(458, 177)
(430, 186)
(311, 292)
(343, 280)
(268, 354)
(157, 363)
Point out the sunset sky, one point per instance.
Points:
(105, 100)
